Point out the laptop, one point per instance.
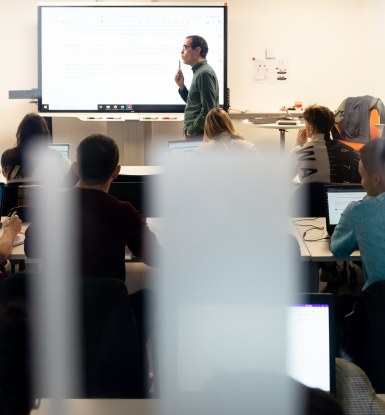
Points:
(61, 148)
(183, 147)
(2, 186)
(309, 348)
(311, 342)
(337, 198)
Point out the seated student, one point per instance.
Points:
(32, 131)
(11, 227)
(220, 135)
(106, 224)
(362, 223)
(318, 158)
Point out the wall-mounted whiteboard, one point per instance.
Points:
(123, 58)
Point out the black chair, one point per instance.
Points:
(366, 334)
(113, 364)
(308, 200)
(19, 197)
(137, 190)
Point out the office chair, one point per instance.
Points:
(353, 131)
(113, 366)
(20, 197)
(308, 200)
(354, 390)
(365, 340)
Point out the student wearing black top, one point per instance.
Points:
(318, 158)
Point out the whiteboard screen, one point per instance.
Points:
(101, 58)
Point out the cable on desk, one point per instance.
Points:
(296, 221)
(320, 228)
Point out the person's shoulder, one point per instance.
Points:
(8, 155)
(358, 208)
(243, 144)
(341, 147)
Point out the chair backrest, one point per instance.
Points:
(113, 363)
(367, 325)
(354, 390)
(19, 197)
(356, 120)
(308, 200)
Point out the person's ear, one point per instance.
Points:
(116, 172)
(75, 167)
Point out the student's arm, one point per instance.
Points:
(183, 93)
(141, 241)
(343, 241)
(11, 227)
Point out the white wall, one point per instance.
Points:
(335, 49)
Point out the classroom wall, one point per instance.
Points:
(334, 50)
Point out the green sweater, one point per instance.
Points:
(201, 98)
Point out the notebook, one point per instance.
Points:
(337, 198)
(311, 353)
(61, 148)
(183, 147)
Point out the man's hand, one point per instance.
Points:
(301, 137)
(179, 79)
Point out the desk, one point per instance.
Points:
(317, 247)
(281, 127)
(102, 406)
(155, 225)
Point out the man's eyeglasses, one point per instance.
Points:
(186, 47)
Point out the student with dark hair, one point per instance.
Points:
(203, 94)
(362, 223)
(318, 158)
(32, 131)
(106, 224)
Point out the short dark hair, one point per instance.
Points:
(373, 156)
(97, 156)
(199, 42)
(31, 127)
(320, 118)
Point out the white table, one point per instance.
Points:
(281, 127)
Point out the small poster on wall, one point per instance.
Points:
(270, 71)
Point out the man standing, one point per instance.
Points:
(204, 90)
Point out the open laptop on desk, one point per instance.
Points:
(311, 353)
(337, 198)
(309, 346)
(61, 148)
(183, 147)
(2, 186)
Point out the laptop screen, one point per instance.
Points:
(337, 199)
(61, 148)
(183, 147)
(1, 197)
(309, 349)
(311, 341)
